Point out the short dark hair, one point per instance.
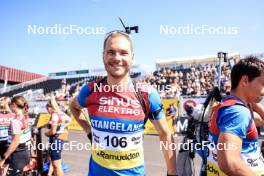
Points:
(250, 66)
(115, 34)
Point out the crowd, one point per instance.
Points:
(197, 80)
(66, 90)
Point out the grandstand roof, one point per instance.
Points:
(193, 60)
(17, 75)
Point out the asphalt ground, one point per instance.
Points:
(78, 160)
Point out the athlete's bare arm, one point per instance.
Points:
(258, 114)
(166, 137)
(259, 121)
(76, 112)
(259, 108)
(229, 160)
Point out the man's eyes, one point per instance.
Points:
(122, 53)
(111, 52)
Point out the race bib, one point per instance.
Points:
(25, 136)
(255, 162)
(3, 133)
(117, 151)
(60, 129)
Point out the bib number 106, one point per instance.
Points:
(115, 141)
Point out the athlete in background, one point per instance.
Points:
(57, 135)
(232, 130)
(5, 120)
(259, 121)
(18, 152)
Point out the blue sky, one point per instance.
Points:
(51, 53)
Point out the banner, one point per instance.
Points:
(42, 120)
(175, 114)
(191, 101)
(171, 111)
(74, 125)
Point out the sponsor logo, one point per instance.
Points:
(130, 156)
(213, 170)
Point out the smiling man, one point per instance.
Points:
(117, 117)
(232, 127)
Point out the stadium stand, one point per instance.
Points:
(48, 86)
(196, 80)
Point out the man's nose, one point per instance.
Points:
(117, 56)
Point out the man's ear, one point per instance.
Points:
(244, 80)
